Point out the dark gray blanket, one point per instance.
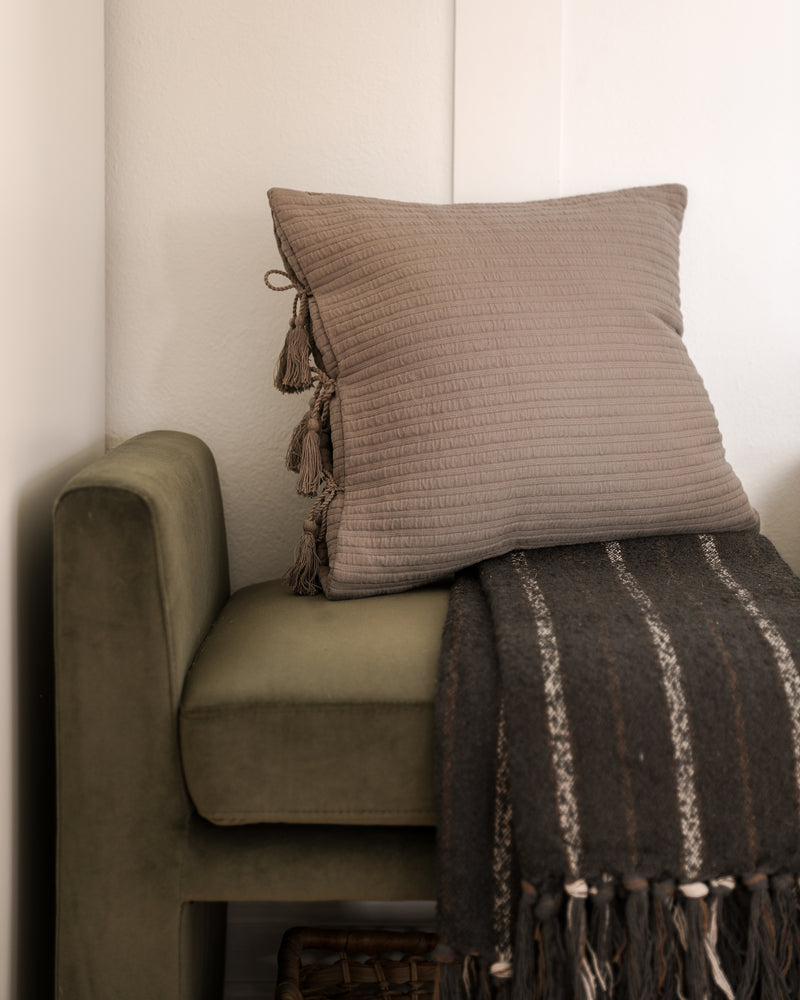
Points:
(618, 732)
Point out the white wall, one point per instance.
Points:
(708, 94)
(211, 103)
(52, 415)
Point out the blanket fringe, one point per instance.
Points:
(634, 939)
(784, 894)
(604, 930)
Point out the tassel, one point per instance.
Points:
(639, 964)
(697, 926)
(551, 977)
(523, 950)
(484, 987)
(761, 964)
(600, 935)
(502, 977)
(665, 968)
(583, 981)
(720, 889)
(295, 449)
(448, 983)
(293, 370)
(470, 977)
(310, 466)
(312, 436)
(784, 895)
(303, 577)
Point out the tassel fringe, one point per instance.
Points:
(295, 450)
(309, 448)
(303, 578)
(310, 465)
(293, 371)
(632, 939)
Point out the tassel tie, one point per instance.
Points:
(303, 577)
(293, 370)
(304, 455)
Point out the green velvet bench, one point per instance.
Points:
(215, 747)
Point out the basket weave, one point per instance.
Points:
(356, 965)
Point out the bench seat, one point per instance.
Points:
(302, 710)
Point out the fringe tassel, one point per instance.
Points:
(761, 969)
(601, 936)
(639, 965)
(697, 924)
(502, 985)
(471, 977)
(784, 894)
(583, 981)
(720, 888)
(551, 979)
(523, 949)
(664, 940)
(715, 940)
(448, 983)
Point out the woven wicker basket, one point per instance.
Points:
(320, 964)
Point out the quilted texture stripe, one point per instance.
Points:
(507, 376)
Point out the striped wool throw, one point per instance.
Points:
(618, 730)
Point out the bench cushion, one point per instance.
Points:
(300, 710)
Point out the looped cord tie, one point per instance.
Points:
(284, 288)
(694, 890)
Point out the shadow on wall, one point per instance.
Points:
(780, 517)
(35, 813)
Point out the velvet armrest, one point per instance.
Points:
(140, 574)
(140, 554)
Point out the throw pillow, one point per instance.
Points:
(490, 377)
